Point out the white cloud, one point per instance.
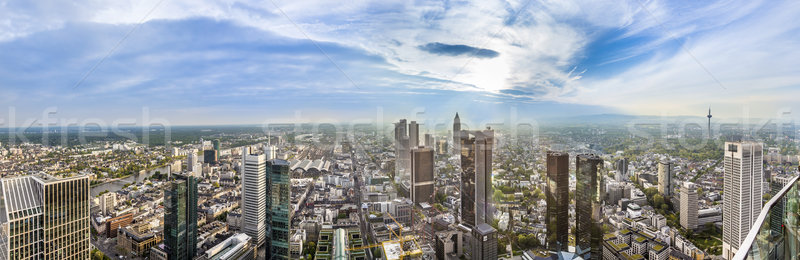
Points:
(747, 48)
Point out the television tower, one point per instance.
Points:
(709, 122)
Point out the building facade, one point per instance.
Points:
(422, 175)
(45, 217)
(476, 177)
(180, 217)
(665, 178)
(254, 196)
(557, 194)
(589, 197)
(689, 211)
(742, 191)
(278, 208)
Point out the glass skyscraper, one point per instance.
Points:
(589, 206)
(180, 218)
(278, 208)
(557, 194)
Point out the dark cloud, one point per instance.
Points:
(439, 48)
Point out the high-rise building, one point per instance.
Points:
(278, 208)
(180, 217)
(456, 133)
(742, 191)
(210, 156)
(429, 140)
(254, 196)
(622, 170)
(688, 207)
(476, 177)
(191, 163)
(402, 149)
(422, 175)
(485, 242)
(45, 217)
(557, 194)
(413, 134)
(107, 203)
(665, 178)
(441, 147)
(215, 145)
(589, 195)
(270, 151)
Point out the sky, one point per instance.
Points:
(188, 62)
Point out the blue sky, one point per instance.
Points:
(231, 62)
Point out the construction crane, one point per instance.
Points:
(399, 238)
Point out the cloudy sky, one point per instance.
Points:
(220, 62)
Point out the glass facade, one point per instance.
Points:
(557, 193)
(180, 218)
(46, 218)
(589, 205)
(278, 208)
(776, 233)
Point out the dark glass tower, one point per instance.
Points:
(278, 208)
(180, 218)
(476, 177)
(589, 206)
(557, 194)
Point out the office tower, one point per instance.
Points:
(441, 147)
(107, 203)
(485, 242)
(402, 148)
(476, 177)
(665, 178)
(429, 140)
(254, 196)
(589, 196)
(45, 217)
(210, 156)
(422, 175)
(557, 194)
(271, 152)
(413, 134)
(191, 162)
(742, 193)
(180, 217)
(278, 208)
(622, 170)
(215, 144)
(456, 132)
(688, 206)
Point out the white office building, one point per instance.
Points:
(742, 191)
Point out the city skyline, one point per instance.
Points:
(208, 63)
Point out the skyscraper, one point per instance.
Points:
(401, 149)
(665, 178)
(456, 132)
(413, 134)
(278, 208)
(557, 194)
(742, 193)
(210, 156)
(422, 175)
(45, 217)
(429, 140)
(589, 194)
(476, 177)
(254, 198)
(180, 217)
(688, 206)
